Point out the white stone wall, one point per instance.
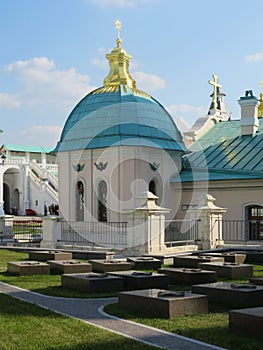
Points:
(127, 172)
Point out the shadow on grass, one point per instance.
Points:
(59, 291)
(210, 328)
(15, 307)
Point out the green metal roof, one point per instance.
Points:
(224, 154)
(26, 148)
(122, 117)
(192, 175)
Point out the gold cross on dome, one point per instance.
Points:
(118, 27)
(216, 85)
(261, 84)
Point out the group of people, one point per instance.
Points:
(52, 208)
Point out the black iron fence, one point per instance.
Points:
(27, 230)
(180, 232)
(241, 230)
(92, 233)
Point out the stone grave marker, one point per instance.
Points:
(142, 280)
(163, 303)
(254, 257)
(46, 255)
(91, 255)
(241, 295)
(231, 257)
(247, 321)
(92, 282)
(144, 263)
(257, 280)
(229, 270)
(166, 259)
(183, 275)
(68, 266)
(27, 268)
(110, 265)
(192, 261)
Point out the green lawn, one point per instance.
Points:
(211, 328)
(44, 284)
(25, 326)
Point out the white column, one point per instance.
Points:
(1, 192)
(26, 187)
(43, 160)
(27, 157)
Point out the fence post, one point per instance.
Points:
(51, 231)
(146, 226)
(210, 222)
(6, 227)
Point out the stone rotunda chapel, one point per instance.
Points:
(120, 144)
(117, 143)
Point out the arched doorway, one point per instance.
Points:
(254, 222)
(11, 184)
(79, 201)
(102, 201)
(6, 198)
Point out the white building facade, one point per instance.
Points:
(28, 179)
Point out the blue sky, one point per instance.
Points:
(52, 53)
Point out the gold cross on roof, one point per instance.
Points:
(216, 85)
(261, 84)
(118, 27)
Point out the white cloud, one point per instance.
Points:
(9, 101)
(184, 108)
(44, 84)
(48, 134)
(148, 82)
(100, 62)
(133, 64)
(32, 65)
(185, 115)
(257, 57)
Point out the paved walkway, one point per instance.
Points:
(90, 311)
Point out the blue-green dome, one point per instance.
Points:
(119, 114)
(124, 116)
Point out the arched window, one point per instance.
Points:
(102, 201)
(152, 187)
(254, 222)
(79, 201)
